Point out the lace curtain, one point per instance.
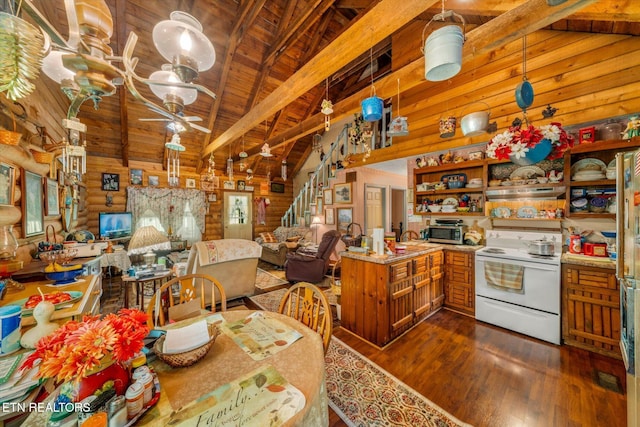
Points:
(168, 204)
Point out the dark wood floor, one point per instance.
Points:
(488, 376)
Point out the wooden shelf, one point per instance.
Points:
(448, 167)
(592, 215)
(616, 145)
(592, 183)
(451, 213)
(450, 191)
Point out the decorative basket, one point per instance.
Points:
(42, 156)
(350, 239)
(8, 137)
(188, 358)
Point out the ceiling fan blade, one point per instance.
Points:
(192, 118)
(154, 120)
(200, 128)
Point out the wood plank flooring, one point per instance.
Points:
(488, 376)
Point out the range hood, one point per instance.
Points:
(507, 193)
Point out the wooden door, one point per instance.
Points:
(374, 209)
(238, 216)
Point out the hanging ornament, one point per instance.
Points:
(283, 169)
(174, 148)
(243, 155)
(249, 174)
(327, 108)
(230, 168)
(399, 125)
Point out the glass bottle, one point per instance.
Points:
(8, 242)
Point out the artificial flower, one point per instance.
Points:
(518, 141)
(76, 348)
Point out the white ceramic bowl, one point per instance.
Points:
(434, 208)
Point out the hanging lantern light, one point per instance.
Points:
(74, 155)
(174, 148)
(283, 169)
(243, 155)
(230, 168)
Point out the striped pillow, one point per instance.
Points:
(268, 237)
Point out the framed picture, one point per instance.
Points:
(7, 184)
(328, 196)
(190, 183)
(229, 185)
(209, 183)
(313, 209)
(136, 176)
(342, 192)
(329, 218)
(277, 187)
(32, 206)
(242, 186)
(110, 182)
(153, 180)
(52, 203)
(248, 187)
(345, 217)
(213, 197)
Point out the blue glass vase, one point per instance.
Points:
(535, 154)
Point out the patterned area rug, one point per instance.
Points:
(364, 394)
(266, 281)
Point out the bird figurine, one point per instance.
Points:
(548, 112)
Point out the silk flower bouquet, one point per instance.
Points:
(77, 349)
(517, 142)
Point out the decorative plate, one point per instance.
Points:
(527, 212)
(612, 164)
(450, 201)
(589, 164)
(75, 295)
(527, 172)
(501, 212)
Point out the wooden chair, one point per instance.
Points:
(409, 235)
(190, 286)
(306, 303)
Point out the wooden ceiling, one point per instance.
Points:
(278, 59)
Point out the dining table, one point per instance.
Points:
(185, 392)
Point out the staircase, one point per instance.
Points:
(339, 150)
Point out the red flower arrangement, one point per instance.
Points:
(75, 349)
(517, 141)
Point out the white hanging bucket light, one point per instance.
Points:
(443, 48)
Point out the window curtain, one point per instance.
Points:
(169, 205)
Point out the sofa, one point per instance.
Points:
(234, 262)
(275, 245)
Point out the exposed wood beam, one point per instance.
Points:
(246, 16)
(370, 29)
(503, 29)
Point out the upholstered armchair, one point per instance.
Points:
(312, 268)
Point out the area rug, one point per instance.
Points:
(266, 280)
(364, 394)
(270, 301)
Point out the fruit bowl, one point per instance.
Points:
(63, 277)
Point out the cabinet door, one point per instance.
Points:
(459, 281)
(591, 309)
(401, 297)
(422, 287)
(436, 264)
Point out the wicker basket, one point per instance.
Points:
(188, 358)
(8, 137)
(351, 239)
(42, 156)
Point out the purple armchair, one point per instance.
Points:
(312, 268)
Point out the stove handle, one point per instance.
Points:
(526, 264)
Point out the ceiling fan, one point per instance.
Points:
(176, 126)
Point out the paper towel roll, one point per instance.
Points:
(378, 241)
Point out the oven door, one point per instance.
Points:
(540, 286)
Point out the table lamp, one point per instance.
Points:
(315, 221)
(145, 240)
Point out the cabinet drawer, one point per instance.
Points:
(420, 264)
(399, 271)
(585, 276)
(459, 258)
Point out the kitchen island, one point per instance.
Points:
(385, 296)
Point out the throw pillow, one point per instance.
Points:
(268, 237)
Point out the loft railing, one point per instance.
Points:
(328, 167)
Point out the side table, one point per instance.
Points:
(156, 279)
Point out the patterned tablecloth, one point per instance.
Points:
(118, 259)
(301, 365)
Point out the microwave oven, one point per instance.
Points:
(452, 234)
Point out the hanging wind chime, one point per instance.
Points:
(230, 166)
(174, 148)
(283, 169)
(327, 108)
(243, 155)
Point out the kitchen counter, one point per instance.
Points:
(586, 260)
(414, 248)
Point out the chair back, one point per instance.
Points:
(409, 235)
(327, 244)
(182, 290)
(306, 303)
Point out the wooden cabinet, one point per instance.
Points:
(591, 309)
(459, 281)
(380, 301)
(602, 152)
(425, 177)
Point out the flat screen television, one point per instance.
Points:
(115, 225)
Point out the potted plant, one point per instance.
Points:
(530, 145)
